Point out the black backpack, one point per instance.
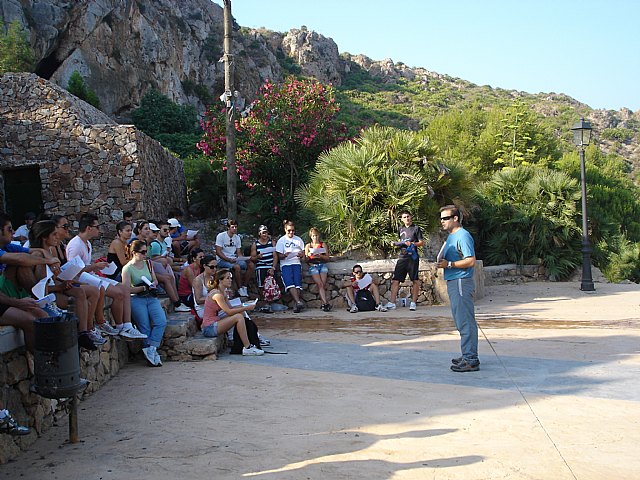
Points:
(365, 301)
(252, 333)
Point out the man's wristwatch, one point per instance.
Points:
(449, 264)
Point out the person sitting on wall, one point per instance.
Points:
(181, 244)
(203, 284)
(190, 272)
(361, 281)
(228, 251)
(22, 233)
(80, 246)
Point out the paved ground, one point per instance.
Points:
(371, 396)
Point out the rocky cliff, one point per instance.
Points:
(124, 47)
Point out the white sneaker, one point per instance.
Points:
(354, 309)
(242, 291)
(131, 332)
(390, 306)
(252, 351)
(412, 306)
(150, 354)
(106, 329)
(182, 308)
(158, 359)
(94, 335)
(381, 308)
(263, 341)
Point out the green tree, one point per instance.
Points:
(78, 87)
(15, 50)
(358, 188)
(174, 126)
(527, 215)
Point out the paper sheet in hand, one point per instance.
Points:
(267, 250)
(365, 281)
(191, 234)
(48, 299)
(441, 253)
(39, 290)
(293, 254)
(252, 302)
(317, 250)
(71, 269)
(235, 302)
(109, 269)
(95, 280)
(244, 259)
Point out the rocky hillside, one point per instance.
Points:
(124, 47)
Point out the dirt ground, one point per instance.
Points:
(371, 395)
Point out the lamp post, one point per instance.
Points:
(581, 136)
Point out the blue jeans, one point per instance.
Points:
(230, 266)
(148, 315)
(211, 330)
(318, 268)
(461, 293)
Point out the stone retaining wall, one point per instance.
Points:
(512, 273)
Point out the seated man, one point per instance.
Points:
(360, 281)
(228, 251)
(181, 243)
(22, 233)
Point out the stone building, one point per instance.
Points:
(59, 154)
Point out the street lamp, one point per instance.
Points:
(581, 136)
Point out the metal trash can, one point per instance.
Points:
(56, 358)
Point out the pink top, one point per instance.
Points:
(211, 310)
(184, 287)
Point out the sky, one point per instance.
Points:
(589, 50)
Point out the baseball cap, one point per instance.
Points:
(152, 226)
(263, 228)
(173, 223)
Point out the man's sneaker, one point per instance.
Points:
(390, 306)
(9, 425)
(158, 359)
(381, 308)
(252, 351)
(53, 309)
(95, 336)
(457, 360)
(84, 341)
(106, 329)
(131, 332)
(150, 354)
(266, 309)
(354, 309)
(465, 366)
(182, 308)
(263, 341)
(412, 306)
(242, 291)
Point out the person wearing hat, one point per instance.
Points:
(22, 233)
(180, 242)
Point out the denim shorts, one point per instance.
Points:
(318, 268)
(211, 330)
(230, 266)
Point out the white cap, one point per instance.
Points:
(153, 227)
(173, 223)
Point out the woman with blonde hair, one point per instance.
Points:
(317, 255)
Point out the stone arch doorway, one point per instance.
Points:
(22, 193)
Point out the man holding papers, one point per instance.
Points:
(361, 281)
(229, 255)
(80, 246)
(290, 250)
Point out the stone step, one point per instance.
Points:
(183, 341)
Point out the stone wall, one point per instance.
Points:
(87, 163)
(16, 378)
(512, 273)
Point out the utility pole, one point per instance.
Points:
(232, 175)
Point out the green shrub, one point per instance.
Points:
(15, 50)
(77, 87)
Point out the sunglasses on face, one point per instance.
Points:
(142, 252)
(65, 226)
(211, 266)
(357, 272)
(448, 217)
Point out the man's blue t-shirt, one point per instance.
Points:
(11, 248)
(459, 245)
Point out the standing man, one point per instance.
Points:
(408, 260)
(458, 259)
(228, 249)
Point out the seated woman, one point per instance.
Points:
(44, 235)
(360, 281)
(316, 253)
(117, 248)
(220, 317)
(146, 310)
(202, 284)
(189, 273)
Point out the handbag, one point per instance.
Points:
(271, 291)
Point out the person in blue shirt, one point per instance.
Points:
(458, 259)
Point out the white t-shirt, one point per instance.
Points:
(229, 245)
(290, 246)
(22, 231)
(77, 248)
